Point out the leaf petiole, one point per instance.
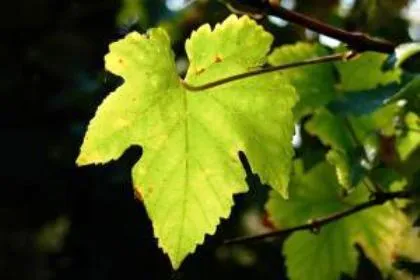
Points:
(323, 59)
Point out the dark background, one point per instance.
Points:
(58, 221)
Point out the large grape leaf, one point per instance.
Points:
(314, 84)
(317, 194)
(190, 169)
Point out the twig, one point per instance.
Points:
(322, 59)
(316, 224)
(355, 40)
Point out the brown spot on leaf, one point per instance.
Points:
(137, 194)
(218, 59)
(267, 222)
(120, 61)
(394, 256)
(199, 71)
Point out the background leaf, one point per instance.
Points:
(316, 194)
(366, 70)
(313, 83)
(409, 141)
(330, 129)
(333, 131)
(365, 101)
(358, 116)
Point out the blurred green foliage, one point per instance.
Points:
(52, 81)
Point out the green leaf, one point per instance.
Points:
(348, 167)
(307, 189)
(320, 257)
(190, 169)
(317, 194)
(344, 155)
(330, 129)
(365, 106)
(365, 101)
(314, 84)
(364, 72)
(388, 179)
(382, 120)
(410, 92)
(410, 140)
(412, 89)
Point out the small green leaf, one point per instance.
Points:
(380, 121)
(314, 84)
(388, 179)
(344, 155)
(316, 194)
(348, 167)
(190, 168)
(365, 72)
(307, 189)
(324, 256)
(330, 129)
(409, 141)
(410, 91)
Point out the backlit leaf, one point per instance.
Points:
(190, 169)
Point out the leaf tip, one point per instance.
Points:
(175, 263)
(81, 160)
(89, 157)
